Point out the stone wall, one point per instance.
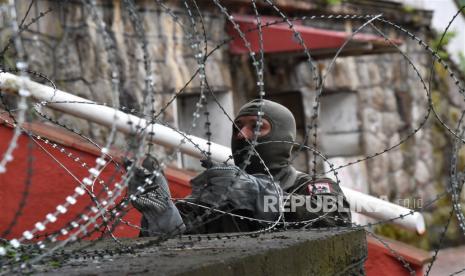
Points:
(67, 45)
(391, 103)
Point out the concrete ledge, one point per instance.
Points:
(283, 253)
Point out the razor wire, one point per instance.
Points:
(88, 222)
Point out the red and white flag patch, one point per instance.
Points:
(319, 188)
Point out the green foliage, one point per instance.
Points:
(435, 222)
(408, 9)
(462, 62)
(439, 43)
(333, 2)
(461, 3)
(54, 263)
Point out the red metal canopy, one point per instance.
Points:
(281, 38)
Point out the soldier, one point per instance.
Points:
(252, 191)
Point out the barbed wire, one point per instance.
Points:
(109, 206)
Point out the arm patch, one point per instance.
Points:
(319, 188)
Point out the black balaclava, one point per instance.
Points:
(275, 155)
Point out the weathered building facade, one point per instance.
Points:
(372, 98)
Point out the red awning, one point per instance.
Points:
(281, 38)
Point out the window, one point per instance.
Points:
(221, 126)
(339, 124)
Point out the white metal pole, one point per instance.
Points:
(107, 116)
(379, 209)
(368, 205)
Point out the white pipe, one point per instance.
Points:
(368, 205)
(106, 116)
(384, 210)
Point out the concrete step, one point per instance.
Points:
(281, 253)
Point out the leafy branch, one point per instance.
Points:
(440, 45)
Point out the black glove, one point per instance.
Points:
(150, 194)
(208, 163)
(148, 189)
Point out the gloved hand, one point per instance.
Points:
(148, 188)
(228, 185)
(150, 194)
(208, 163)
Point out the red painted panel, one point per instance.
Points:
(179, 182)
(281, 38)
(381, 262)
(51, 184)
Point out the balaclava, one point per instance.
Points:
(283, 128)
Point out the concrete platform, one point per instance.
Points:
(282, 253)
